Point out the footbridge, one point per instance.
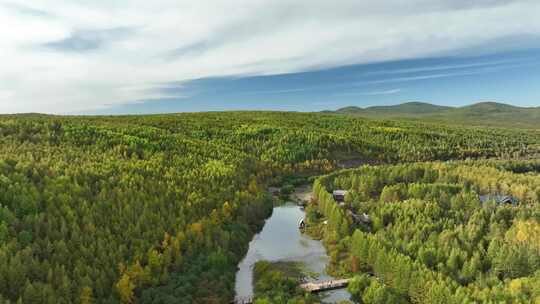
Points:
(312, 287)
(325, 285)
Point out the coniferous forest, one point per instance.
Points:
(161, 208)
(432, 237)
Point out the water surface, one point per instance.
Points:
(281, 240)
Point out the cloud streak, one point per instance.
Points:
(63, 56)
(500, 63)
(89, 40)
(25, 10)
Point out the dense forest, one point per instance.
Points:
(160, 208)
(437, 232)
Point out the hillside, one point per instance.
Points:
(483, 113)
(137, 209)
(408, 108)
(427, 225)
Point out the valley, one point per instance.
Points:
(161, 208)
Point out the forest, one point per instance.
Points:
(433, 235)
(161, 208)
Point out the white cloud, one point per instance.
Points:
(174, 40)
(6, 95)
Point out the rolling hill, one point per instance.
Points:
(483, 113)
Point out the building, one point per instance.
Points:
(499, 199)
(339, 195)
(274, 190)
(361, 219)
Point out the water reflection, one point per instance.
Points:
(280, 240)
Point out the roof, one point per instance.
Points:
(500, 199)
(364, 218)
(339, 192)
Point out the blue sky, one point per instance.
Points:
(509, 77)
(139, 56)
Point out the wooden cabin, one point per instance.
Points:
(339, 195)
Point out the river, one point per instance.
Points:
(281, 240)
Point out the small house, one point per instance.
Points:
(339, 195)
(274, 190)
(499, 199)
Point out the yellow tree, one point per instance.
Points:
(86, 295)
(125, 289)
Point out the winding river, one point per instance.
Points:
(281, 240)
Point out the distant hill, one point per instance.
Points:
(483, 113)
(408, 108)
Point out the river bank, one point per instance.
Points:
(281, 241)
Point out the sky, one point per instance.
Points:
(123, 57)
